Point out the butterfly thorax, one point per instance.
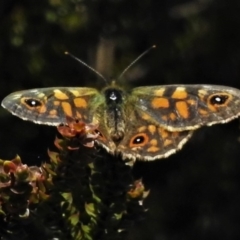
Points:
(114, 116)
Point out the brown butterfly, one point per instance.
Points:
(147, 123)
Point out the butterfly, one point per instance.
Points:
(146, 123)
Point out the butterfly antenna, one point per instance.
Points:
(86, 65)
(139, 57)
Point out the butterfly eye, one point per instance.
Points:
(139, 140)
(33, 103)
(218, 99)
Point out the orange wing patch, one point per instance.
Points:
(153, 149)
(42, 109)
(203, 112)
(182, 109)
(80, 102)
(78, 115)
(211, 107)
(167, 142)
(164, 118)
(67, 109)
(53, 113)
(56, 103)
(159, 92)
(191, 102)
(152, 129)
(159, 102)
(60, 95)
(173, 116)
(142, 129)
(145, 116)
(180, 93)
(202, 93)
(163, 133)
(154, 142)
(75, 93)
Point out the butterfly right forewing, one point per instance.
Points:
(187, 107)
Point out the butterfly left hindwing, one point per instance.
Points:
(147, 124)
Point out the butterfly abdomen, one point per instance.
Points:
(114, 114)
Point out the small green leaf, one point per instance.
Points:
(90, 209)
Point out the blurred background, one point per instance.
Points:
(195, 193)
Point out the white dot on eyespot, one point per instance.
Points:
(218, 99)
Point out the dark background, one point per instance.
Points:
(194, 193)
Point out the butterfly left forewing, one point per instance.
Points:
(187, 107)
(50, 106)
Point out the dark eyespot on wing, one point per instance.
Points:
(139, 139)
(219, 99)
(31, 102)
